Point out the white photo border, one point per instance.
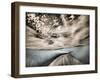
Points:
(54, 69)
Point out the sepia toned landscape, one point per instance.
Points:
(56, 39)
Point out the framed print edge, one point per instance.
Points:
(14, 40)
(15, 32)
